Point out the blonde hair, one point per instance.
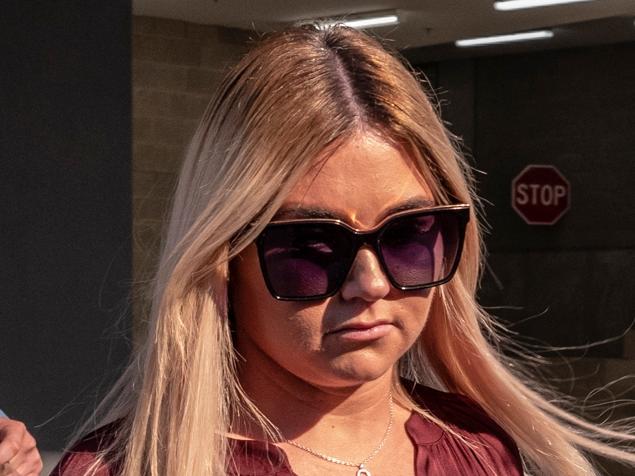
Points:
(302, 92)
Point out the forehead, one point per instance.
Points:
(364, 178)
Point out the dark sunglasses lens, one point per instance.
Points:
(305, 260)
(421, 249)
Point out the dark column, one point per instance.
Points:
(65, 250)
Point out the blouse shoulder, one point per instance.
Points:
(83, 455)
(455, 409)
(469, 420)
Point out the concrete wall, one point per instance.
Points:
(569, 284)
(573, 109)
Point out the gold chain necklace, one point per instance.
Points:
(361, 467)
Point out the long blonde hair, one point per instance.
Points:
(300, 93)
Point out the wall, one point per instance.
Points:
(573, 109)
(569, 284)
(65, 254)
(88, 166)
(176, 68)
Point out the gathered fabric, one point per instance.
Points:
(438, 452)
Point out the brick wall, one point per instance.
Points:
(176, 67)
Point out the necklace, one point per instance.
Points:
(361, 466)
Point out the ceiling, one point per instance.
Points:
(422, 22)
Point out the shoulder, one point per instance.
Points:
(455, 409)
(84, 454)
(468, 419)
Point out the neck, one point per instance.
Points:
(305, 410)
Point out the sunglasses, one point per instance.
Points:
(310, 259)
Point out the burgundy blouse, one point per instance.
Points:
(438, 453)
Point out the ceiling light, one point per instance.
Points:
(508, 5)
(361, 21)
(383, 20)
(490, 40)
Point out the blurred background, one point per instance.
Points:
(99, 99)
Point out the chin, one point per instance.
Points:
(359, 370)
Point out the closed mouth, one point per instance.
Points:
(358, 326)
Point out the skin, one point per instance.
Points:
(320, 388)
(18, 451)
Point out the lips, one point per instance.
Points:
(361, 332)
(357, 326)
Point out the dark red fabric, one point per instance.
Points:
(438, 453)
(80, 457)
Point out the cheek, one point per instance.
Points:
(245, 282)
(268, 322)
(414, 312)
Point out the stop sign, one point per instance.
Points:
(541, 194)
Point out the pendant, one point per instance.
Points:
(362, 471)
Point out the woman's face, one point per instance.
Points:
(314, 340)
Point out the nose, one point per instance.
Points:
(366, 279)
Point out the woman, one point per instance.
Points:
(316, 282)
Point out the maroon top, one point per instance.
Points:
(438, 452)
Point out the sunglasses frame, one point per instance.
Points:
(372, 238)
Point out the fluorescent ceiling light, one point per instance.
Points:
(490, 40)
(508, 5)
(384, 20)
(361, 21)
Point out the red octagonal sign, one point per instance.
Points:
(541, 194)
